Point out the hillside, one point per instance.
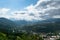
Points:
(6, 25)
(50, 25)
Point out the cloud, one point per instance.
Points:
(56, 16)
(43, 9)
(23, 15)
(4, 12)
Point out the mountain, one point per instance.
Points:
(49, 25)
(24, 22)
(10, 26)
(7, 25)
(51, 20)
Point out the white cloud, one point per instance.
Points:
(4, 12)
(39, 2)
(43, 9)
(56, 16)
(23, 15)
(39, 12)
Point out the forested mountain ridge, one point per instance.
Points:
(50, 25)
(6, 25)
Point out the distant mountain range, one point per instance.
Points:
(6, 25)
(49, 25)
(24, 22)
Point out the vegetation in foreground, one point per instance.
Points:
(20, 36)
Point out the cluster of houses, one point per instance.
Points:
(50, 37)
(46, 36)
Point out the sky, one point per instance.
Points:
(30, 10)
(16, 4)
